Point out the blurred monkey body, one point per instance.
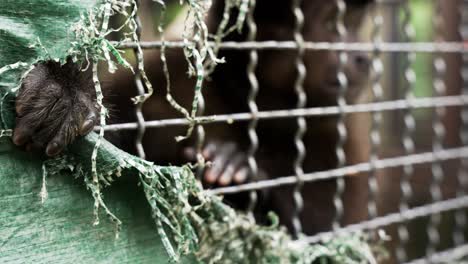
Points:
(227, 92)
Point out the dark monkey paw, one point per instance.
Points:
(54, 105)
(229, 165)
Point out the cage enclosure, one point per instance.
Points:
(335, 129)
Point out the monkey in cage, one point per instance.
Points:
(56, 104)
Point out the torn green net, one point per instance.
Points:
(188, 219)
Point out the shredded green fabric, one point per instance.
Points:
(188, 219)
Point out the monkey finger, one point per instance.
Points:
(222, 157)
(20, 138)
(44, 111)
(241, 176)
(30, 87)
(24, 129)
(209, 176)
(190, 153)
(209, 150)
(54, 136)
(54, 148)
(21, 108)
(227, 175)
(88, 124)
(57, 144)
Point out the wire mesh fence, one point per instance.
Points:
(416, 118)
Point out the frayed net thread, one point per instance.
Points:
(92, 43)
(91, 32)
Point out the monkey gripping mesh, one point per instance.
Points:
(188, 220)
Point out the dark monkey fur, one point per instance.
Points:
(55, 105)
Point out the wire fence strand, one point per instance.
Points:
(393, 218)
(414, 103)
(253, 82)
(420, 47)
(414, 159)
(301, 122)
(453, 255)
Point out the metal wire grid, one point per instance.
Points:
(410, 159)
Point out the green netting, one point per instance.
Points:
(188, 220)
(28, 27)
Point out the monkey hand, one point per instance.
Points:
(229, 165)
(54, 105)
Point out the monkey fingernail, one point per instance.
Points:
(210, 176)
(20, 109)
(226, 177)
(19, 139)
(87, 126)
(53, 149)
(241, 175)
(209, 150)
